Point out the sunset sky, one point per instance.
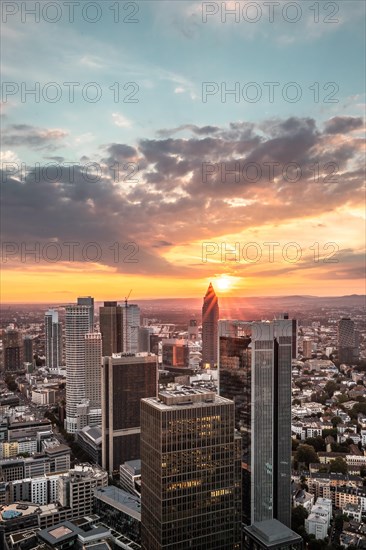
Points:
(171, 196)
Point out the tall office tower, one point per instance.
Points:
(210, 318)
(88, 301)
(93, 367)
(77, 325)
(346, 340)
(53, 339)
(307, 348)
(110, 323)
(28, 349)
(255, 371)
(119, 326)
(13, 350)
(190, 471)
(130, 331)
(126, 379)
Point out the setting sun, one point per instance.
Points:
(224, 282)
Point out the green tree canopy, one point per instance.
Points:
(298, 517)
(338, 465)
(307, 454)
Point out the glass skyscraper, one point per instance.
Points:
(190, 467)
(255, 372)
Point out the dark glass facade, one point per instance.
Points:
(110, 323)
(125, 381)
(255, 372)
(235, 384)
(190, 467)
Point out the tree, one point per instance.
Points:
(317, 442)
(336, 420)
(307, 454)
(294, 443)
(338, 465)
(298, 517)
(339, 448)
(330, 387)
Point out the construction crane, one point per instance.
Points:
(127, 297)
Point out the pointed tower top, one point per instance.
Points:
(210, 290)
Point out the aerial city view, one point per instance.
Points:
(183, 322)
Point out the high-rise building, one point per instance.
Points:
(88, 301)
(110, 323)
(28, 349)
(77, 325)
(346, 340)
(119, 326)
(190, 471)
(131, 324)
(13, 350)
(210, 318)
(126, 379)
(144, 339)
(53, 339)
(255, 372)
(93, 368)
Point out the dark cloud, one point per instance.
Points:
(343, 124)
(198, 130)
(162, 244)
(172, 203)
(20, 135)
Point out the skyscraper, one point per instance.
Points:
(255, 371)
(119, 326)
(77, 325)
(126, 379)
(210, 318)
(88, 301)
(28, 349)
(346, 340)
(190, 471)
(93, 369)
(110, 323)
(53, 339)
(130, 331)
(13, 350)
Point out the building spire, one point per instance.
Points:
(210, 290)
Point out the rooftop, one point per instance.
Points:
(186, 395)
(272, 532)
(121, 500)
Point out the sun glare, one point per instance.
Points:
(224, 282)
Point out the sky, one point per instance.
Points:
(169, 144)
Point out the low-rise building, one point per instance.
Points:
(353, 511)
(316, 525)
